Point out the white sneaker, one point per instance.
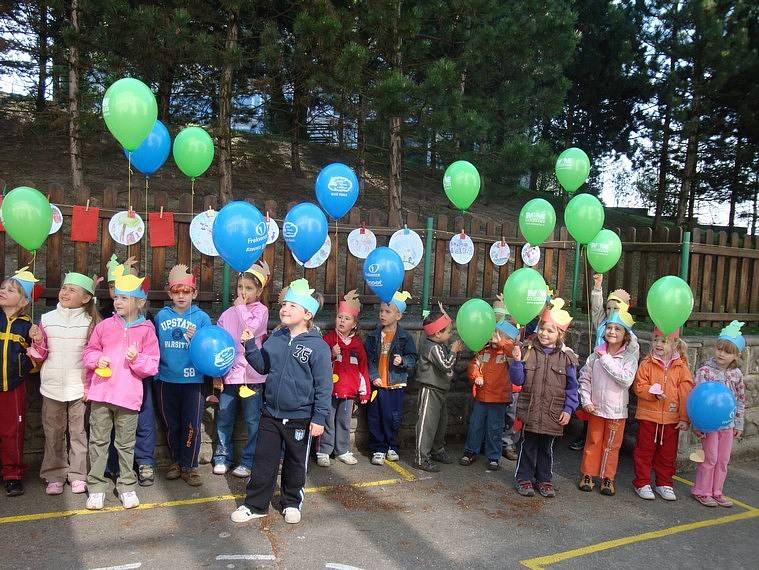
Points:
(666, 492)
(244, 514)
(392, 455)
(220, 469)
(241, 472)
(348, 458)
(378, 458)
(645, 492)
(322, 460)
(292, 515)
(95, 501)
(129, 500)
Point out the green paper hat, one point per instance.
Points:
(82, 281)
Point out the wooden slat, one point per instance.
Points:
(473, 268)
(330, 266)
(731, 301)
(754, 299)
(458, 224)
(719, 278)
(644, 235)
(743, 284)
(694, 271)
(184, 245)
(561, 273)
(352, 264)
(207, 262)
(270, 255)
(676, 237)
(81, 249)
(660, 237)
(707, 278)
(612, 277)
(548, 253)
(725, 251)
(628, 257)
(412, 221)
(487, 275)
(440, 260)
(54, 246)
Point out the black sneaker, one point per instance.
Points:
(14, 488)
(427, 466)
(442, 457)
(467, 459)
(509, 453)
(493, 465)
(145, 475)
(577, 444)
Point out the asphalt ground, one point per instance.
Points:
(391, 516)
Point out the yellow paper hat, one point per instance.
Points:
(557, 315)
(127, 284)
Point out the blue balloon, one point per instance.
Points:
(337, 189)
(153, 151)
(711, 407)
(212, 351)
(305, 229)
(384, 272)
(240, 234)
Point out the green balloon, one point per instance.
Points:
(604, 251)
(193, 151)
(27, 217)
(572, 169)
(475, 323)
(130, 111)
(461, 183)
(584, 217)
(537, 220)
(524, 294)
(669, 303)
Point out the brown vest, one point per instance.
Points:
(542, 398)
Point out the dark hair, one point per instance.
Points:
(256, 280)
(432, 317)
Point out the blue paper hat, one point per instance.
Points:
(508, 329)
(300, 293)
(399, 300)
(26, 279)
(732, 333)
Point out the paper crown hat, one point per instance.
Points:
(81, 280)
(26, 279)
(260, 270)
(557, 315)
(399, 300)
(498, 307)
(300, 293)
(508, 329)
(732, 333)
(127, 284)
(438, 324)
(350, 304)
(180, 275)
(621, 316)
(113, 263)
(619, 295)
(672, 335)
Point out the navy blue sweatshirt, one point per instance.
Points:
(298, 375)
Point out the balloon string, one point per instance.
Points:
(337, 270)
(192, 214)
(34, 264)
(587, 299)
(145, 261)
(129, 181)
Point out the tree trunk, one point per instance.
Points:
(295, 127)
(433, 153)
(661, 186)
(165, 85)
(341, 123)
(361, 142)
(735, 186)
(394, 186)
(42, 56)
(754, 209)
(75, 139)
(225, 111)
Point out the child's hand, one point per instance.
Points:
(336, 350)
(737, 433)
(246, 335)
(682, 426)
(517, 354)
(479, 381)
(377, 382)
(240, 300)
(103, 362)
(590, 408)
(316, 430)
(131, 353)
(218, 384)
(397, 360)
(457, 346)
(699, 435)
(190, 332)
(35, 333)
(598, 279)
(661, 397)
(564, 418)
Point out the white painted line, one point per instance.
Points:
(246, 557)
(131, 566)
(336, 566)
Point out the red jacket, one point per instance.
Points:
(349, 370)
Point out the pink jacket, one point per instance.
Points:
(605, 381)
(234, 320)
(111, 338)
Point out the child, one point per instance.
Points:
(178, 385)
(122, 350)
(723, 367)
(488, 372)
(391, 356)
(605, 382)
(59, 341)
(297, 396)
(662, 385)
(434, 374)
(247, 312)
(546, 370)
(351, 378)
(15, 296)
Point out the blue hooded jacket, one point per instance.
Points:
(299, 374)
(175, 365)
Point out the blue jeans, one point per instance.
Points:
(486, 422)
(144, 447)
(225, 424)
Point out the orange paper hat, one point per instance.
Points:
(180, 275)
(557, 315)
(350, 305)
(438, 324)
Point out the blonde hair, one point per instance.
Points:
(20, 290)
(730, 348)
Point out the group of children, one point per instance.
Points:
(296, 386)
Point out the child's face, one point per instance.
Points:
(248, 289)
(344, 323)
(182, 296)
(548, 334)
(73, 297)
(389, 314)
(444, 335)
(614, 334)
(12, 295)
(610, 306)
(660, 346)
(293, 315)
(127, 307)
(723, 357)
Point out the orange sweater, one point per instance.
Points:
(493, 365)
(676, 382)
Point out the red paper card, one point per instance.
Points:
(161, 229)
(84, 224)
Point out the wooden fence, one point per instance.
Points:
(724, 276)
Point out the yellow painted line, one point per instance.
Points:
(735, 501)
(401, 470)
(541, 562)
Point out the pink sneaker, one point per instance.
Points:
(723, 501)
(78, 487)
(54, 488)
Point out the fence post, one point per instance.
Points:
(576, 279)
(225, 288)
(685, 256)
(427, 268)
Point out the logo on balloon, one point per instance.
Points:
(289, 230)
(598, 247)
(446, 183)
(225, 357)
(372, 269)
(262, 229)
(535, 217)
(340, 184)
(536, 296)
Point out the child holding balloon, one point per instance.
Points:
(247, 312)
(298, 390)
(178, 384)
(350, 376)
(122, 350)
(662, 385)
(723, 367)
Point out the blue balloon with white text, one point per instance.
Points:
(153, 151)
(305, 229)
(240, 233)
(212, 351)
(711, 407)
(384, 272)
(337, 189)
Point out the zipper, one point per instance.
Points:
(6, 341)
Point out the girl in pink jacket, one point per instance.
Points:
(122, 350)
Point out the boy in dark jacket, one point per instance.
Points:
(391, 355)
(434, 373)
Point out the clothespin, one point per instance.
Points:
(131, 212)
(462, 235)
(405, 229)
(87, 208)
(267, 216)
(362, 231)
(160, 216)
(503, 241)
(210, 212)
